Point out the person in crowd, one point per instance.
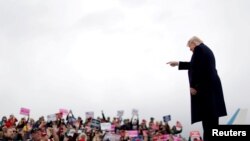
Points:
(134, 123)
(151, 123)
(104, 119)
(36, 134)
(22, 123)
(70, 117)
(98, 135)
(1, 135)
(143, 125)
(82, 137)
(126, 125)
(9, 133)
(11, 121)
(3, 121)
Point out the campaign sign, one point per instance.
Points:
(64, 111)
(160, 137)
(51, 117)
(167, 118)
(132, 133)
(139, 138)
(194, 134)
(120, 113)
(25, 111)
(135, 112)
(89, 114)
(95, 123)
(106, 126)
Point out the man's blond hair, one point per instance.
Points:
(197, 41)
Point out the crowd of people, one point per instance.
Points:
(71, 128)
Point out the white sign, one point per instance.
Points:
(106, 126)
(120, 113)
(135, 112)
(51, 117)
(89, 114)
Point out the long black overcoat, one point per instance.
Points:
(209, 100)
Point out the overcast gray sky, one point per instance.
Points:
(110, 55)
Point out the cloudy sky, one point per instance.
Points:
(110, 55)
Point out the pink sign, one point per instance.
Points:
(132, 133)
(194, 134)
(63, 111)
(166, 137)
(159, 138)
(177, 139)
(112, 127)
(24, 111)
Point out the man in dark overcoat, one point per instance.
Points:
(207, 100)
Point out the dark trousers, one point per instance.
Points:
(208, 125)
